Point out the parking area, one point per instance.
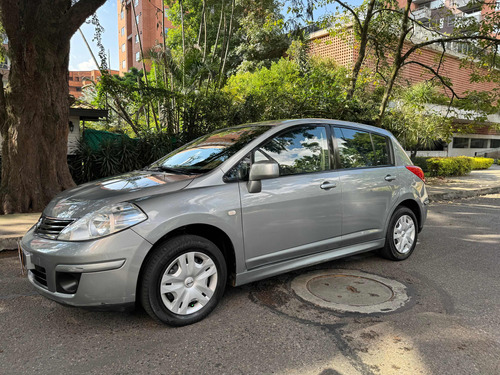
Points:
(448, 324)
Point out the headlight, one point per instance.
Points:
(107, 220)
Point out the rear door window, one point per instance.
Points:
(361, 149)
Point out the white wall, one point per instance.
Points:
(470, 151)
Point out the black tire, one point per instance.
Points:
(156, 267)
(390, 251)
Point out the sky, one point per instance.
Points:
(80, 57)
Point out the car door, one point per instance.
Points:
(369, 182)
(299, 212)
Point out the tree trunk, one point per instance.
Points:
(34, 110)
(35, 133)
(363, 42)
(398, 61)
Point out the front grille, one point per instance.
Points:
(39, 275)
(50, 228)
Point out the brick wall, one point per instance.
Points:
(324, 45)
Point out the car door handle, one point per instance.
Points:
(389, 178)
(327, 185)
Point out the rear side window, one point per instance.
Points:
(381, 145)
(300, 150)
(360, 149)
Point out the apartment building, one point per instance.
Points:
(79, 79)
(140, 22)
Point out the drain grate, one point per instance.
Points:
(350, 291)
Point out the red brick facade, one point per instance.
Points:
(324, 45)
(149, 22)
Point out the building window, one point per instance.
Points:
(77, 79)
(451, 21)
(124, 64)
(123, 31)
(136, 38)
(121, 15)
(497, 7)
(478, 143)
(495, 143)
(137, 56)
(460, 142)
(136, 3)
(441, 23)
(78, 89)
(137, 19)
(70, 78)
(123, 47)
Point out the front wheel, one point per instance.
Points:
(401, 236)
(183, 280)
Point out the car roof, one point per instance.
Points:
(275, 123)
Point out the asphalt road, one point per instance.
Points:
(451, 324)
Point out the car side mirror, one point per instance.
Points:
(261, 170)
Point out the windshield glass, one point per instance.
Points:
(209, 151)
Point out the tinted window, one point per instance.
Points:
(495, 143)
(355, 148)
(381, 144)
(460, 142)
(301, 150)
(478, 143)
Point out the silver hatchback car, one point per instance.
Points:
(240, 204)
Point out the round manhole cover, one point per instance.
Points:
(351, 291)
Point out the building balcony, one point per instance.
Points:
(468, 6)
(422, 14)
(469, 17)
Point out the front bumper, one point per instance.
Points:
(106, 269)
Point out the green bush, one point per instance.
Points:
(452, 166)
(114, 156)
(481, 163)
(421, 161)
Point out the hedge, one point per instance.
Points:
(481, 163)
(456, 166)
(453, 166)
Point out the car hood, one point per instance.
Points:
(78, 201)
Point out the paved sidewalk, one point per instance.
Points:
(479, 182)
(13, 227)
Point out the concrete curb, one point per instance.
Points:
(9, 243)
(459, 194)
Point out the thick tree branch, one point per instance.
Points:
(79, 12)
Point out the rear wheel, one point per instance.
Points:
(401, 236)
(183, 280)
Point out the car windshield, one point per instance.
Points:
(209, 151)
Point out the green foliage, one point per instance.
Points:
(120, 155)
(481, 163)
(451, 166)
(288, 89)
(413, 119)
